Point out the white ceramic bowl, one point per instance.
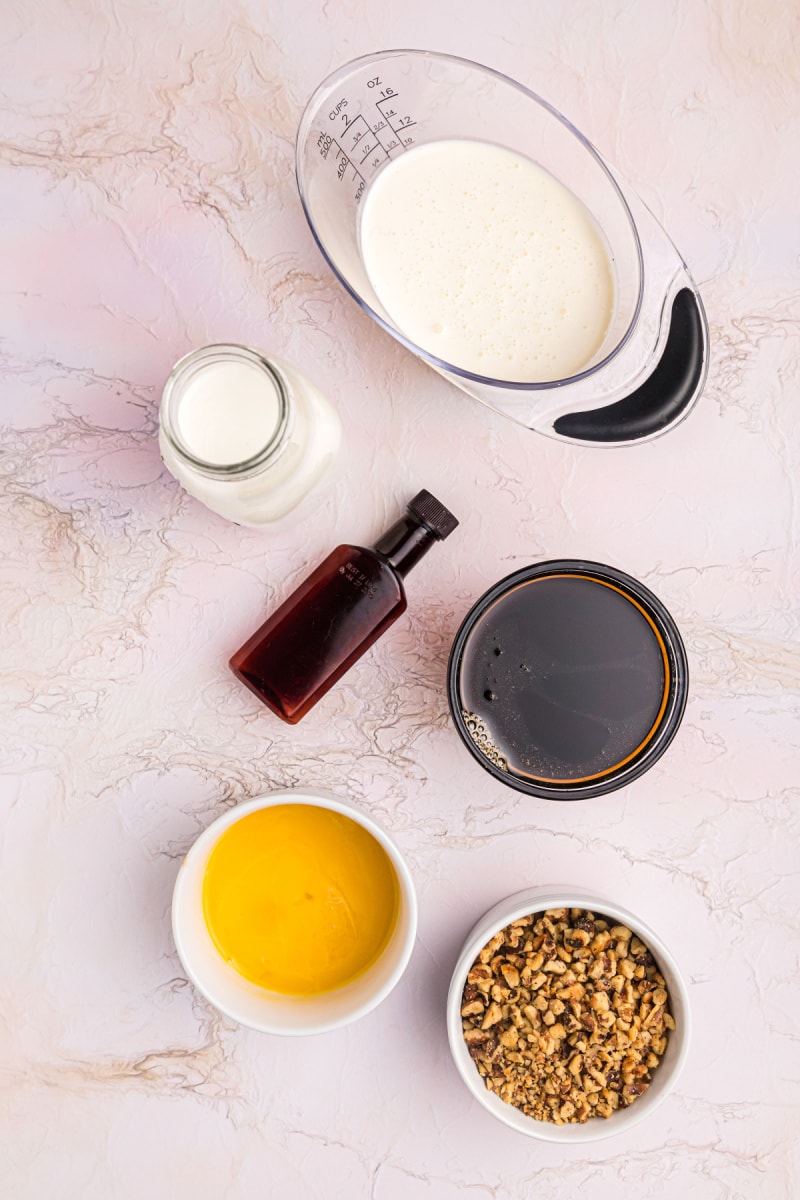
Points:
(256, 1007)
(664, 1076)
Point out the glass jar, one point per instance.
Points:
(248, 436)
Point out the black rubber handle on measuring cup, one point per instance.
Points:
(663, 396)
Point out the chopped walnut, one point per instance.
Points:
(566, 1015)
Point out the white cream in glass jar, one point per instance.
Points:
(248, 436)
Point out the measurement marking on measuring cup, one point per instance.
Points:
(366, 140)
(324, 143)
(364, 143)
(346, 162)
(404, 122)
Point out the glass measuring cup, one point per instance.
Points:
(651, 366)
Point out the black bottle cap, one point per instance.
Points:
(431, 513)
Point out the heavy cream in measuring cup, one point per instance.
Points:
(484, 259)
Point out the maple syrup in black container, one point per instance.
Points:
(567, 679)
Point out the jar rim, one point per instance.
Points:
(181, 375)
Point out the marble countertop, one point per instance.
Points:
(148, 207)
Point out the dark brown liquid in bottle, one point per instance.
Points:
(570, 676)
(319, 632)
(337, 613)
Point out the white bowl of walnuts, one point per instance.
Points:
(567, 1016)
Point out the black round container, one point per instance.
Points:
(567, 679)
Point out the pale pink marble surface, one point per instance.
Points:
(149, 206)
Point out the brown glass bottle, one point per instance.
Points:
(337, 613)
